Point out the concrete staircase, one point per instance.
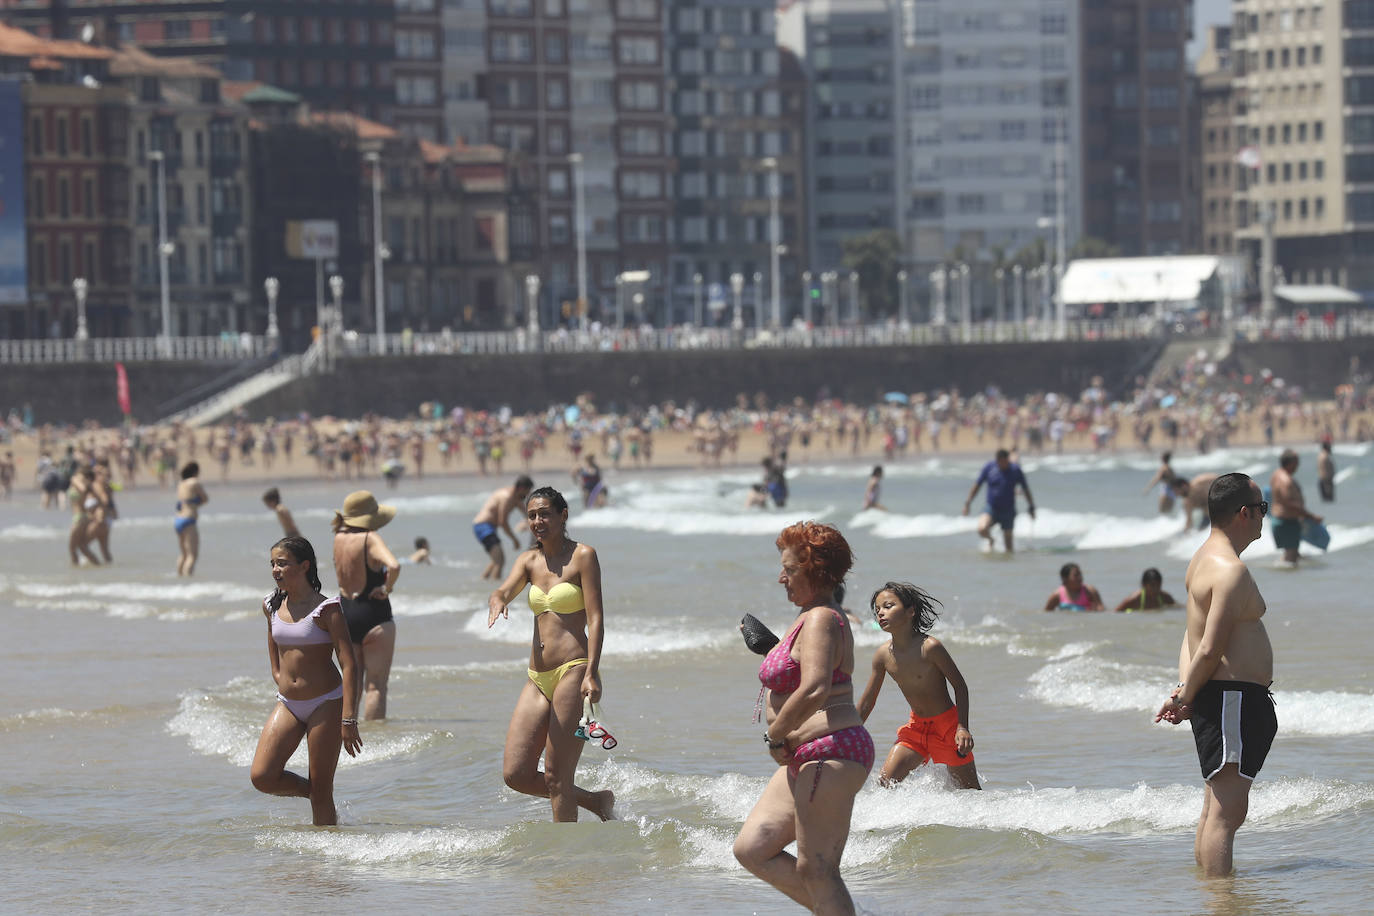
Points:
(1178, 352)
(225, 402)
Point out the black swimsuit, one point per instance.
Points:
(362, 614)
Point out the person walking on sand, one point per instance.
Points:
(564, 578)
(1226, 666)
(1290, 511)
(1003, 476)
(495, 513)
(925, 673)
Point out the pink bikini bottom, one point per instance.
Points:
(853, 743)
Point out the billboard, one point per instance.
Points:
(317, 239)
(13, 245)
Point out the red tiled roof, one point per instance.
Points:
(362, 127)
(19, 43)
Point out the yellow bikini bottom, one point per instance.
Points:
(547, 681)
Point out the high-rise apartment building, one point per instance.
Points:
(990, 91)
(739, 117)
(1216, 144)
(336, 54)
(418, 72)
(1304, 87)
(851, 52)
(1134, 125)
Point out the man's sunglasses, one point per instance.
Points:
(1263, 508)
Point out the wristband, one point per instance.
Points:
(353, 722)
(773, 745)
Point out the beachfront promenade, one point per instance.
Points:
(239, 347)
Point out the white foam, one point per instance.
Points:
(636, 637)
(1109, 533)
(144, 592)
(1353, 449)
(426, 846)
(1343, 537)
(896, 527)
(1305, 712)
(410, 605)
(1344, 474)
(30, 533)
(690, 523)
(1090, 682)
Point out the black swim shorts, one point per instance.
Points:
(1233, 722)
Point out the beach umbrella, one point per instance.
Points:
(895, 397)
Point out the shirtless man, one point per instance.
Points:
(272, 500)
(1326, 473)
(1194, 495)
(1289, 509)
(495, 513)
(1225, 667)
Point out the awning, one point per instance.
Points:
(1167, 279)
(1317, 294)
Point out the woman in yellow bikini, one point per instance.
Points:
(565, 657)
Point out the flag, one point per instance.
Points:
(1249, 156)
(122, 389)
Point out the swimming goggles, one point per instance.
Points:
(588, 727)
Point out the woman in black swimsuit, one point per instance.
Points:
(364, 590)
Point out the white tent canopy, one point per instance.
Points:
(1316, 294)
(1178, 279)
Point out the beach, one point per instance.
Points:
(135, 699)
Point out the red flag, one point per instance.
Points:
(122, 389)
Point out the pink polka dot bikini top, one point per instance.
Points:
(782, 673)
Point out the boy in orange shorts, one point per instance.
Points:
(922, 667)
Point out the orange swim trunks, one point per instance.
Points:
(933, 737)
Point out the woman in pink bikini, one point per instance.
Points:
(815, 733)
(314, 701)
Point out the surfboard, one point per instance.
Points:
(1315, 533)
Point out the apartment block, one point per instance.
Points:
(1216, 144)
(1304, 88)
(990, 94)
(418, 72)
(739, 114)
(1134, 125)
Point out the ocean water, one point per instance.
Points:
(133, 702)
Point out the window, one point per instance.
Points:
(637, 9)
(641, 141)
(86, 146)
(558, 229)
(36, 135)
(1162, 135)
(88, 197)
(639, 95)
(61, 136)
(556, 94)
(641, 184)
(638, 50)
(1162, 97)
(558, 139)
(555, 49)
(64, 208)
(511, 47)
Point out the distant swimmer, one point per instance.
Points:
(272, 500)
(421, 555)
(757, 497)
(564, 674)
(1003, 476)
(1194, 495)
(190, 497)
(1326, 473)
(1164, 479)
(587, 476)
(873, 491)
(1151, 596)
(1072, 594)
(1290, 511)
(1226, 666)
(495, 513)
(775, 479)
(924, 671)
(305, 630)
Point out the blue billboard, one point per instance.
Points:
(13, 247)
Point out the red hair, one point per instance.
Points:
(824, 553)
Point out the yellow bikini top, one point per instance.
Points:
(563, 598)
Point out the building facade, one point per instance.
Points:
(1216, 144)
(1135, 126)
(418, 73)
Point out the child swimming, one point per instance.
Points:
(922, 667)
(1151, 596)
(1073, 595)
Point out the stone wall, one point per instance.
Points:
(72, 393)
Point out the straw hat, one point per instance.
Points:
(360, 510)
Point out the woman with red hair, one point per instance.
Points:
(815, 733)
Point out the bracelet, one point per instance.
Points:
(353, 722)
(773, 745)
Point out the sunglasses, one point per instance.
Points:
(1263, 508)
(588, 729)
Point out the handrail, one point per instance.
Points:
(220, 348)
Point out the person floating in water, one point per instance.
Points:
(1072, 594)
(1151, 596)
(924, 671)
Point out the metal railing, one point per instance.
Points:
(135, 349)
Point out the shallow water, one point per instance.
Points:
(134, 701)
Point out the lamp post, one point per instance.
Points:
(965, 299)
(939, 312)
(1001, 275)
(1018, 295)
(696, 298)
(336, 288)
(272, 286)
(164, 247)
(854, 297)
(79, 288)
(378, 306)
(737, 288)
(774, 240)
(579, 200)
(327, 325)
(532, 305)
(830, 296)
(758, 301)
(806, 297)
(903, 300)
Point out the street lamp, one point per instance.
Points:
(830, 296)
(774, 242)
(379, 308)
(965, 298)
(737, 288)
(164, 247)
(1018, 295)
(758, 301)
(903, 318)
(532, 304)
(806, 297)
(1001, 295)
(696, 298)
(854, 296)
(273, 286)
(580, 216)
(336, 288)
(939, 312)
(79, 288)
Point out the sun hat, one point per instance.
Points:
(360, 510)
